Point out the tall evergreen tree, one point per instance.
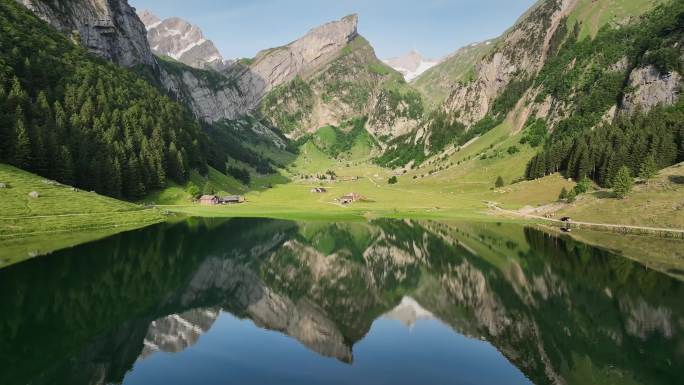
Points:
(623, 182)
(649, 168)
(22, 143)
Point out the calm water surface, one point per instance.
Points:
(249, 301)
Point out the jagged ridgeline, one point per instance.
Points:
(597, 75)
(328, 78)
(355, 84)
(80, 120)
(485, 84)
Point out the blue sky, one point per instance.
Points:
(241, 28)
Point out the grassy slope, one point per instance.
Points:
(595, 14)
(658, 203)
(70, 217)
(435, 83)
(459, 187)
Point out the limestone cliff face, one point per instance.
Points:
(305, 55)
(211, 96)
(650, 88)
(519, 54)
(108, 28)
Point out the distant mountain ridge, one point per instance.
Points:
(411, 65)
(436, 82)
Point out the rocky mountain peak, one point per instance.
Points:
(180, 40)
(251, 80)
(313, 50)
(148, 18)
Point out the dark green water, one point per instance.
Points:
(386, 302)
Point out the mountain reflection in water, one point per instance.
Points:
(558, 311)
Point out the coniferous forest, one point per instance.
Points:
(80, 120)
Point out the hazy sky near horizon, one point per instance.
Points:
(241, 28)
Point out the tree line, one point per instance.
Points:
(644, 140)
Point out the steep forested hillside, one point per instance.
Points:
(593, 91)
(616, 97)
(68, 116)
(497, 82)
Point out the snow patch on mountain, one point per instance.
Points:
(408, 312)
(411, 65)
(180, 40)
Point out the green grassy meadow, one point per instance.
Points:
(60, 217)
(454, 186)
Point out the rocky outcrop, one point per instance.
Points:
(518, 55)
(304, 56)
(180, 40)
(211, 96)
(650, 88)
(108, 28)
(354, 84)
(643, 319)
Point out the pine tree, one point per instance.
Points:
(133, 186)
(499, 182)
(64, 169)
(623, 182)
(22, 144)
(114, 183)
(583, 185)
(649, 168)
(563, 194)
(572, 196)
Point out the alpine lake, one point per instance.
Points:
(261, 301)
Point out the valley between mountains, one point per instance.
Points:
(113, 118)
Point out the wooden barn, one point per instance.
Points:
(231, 200)
(209, 200)
(350, 198)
